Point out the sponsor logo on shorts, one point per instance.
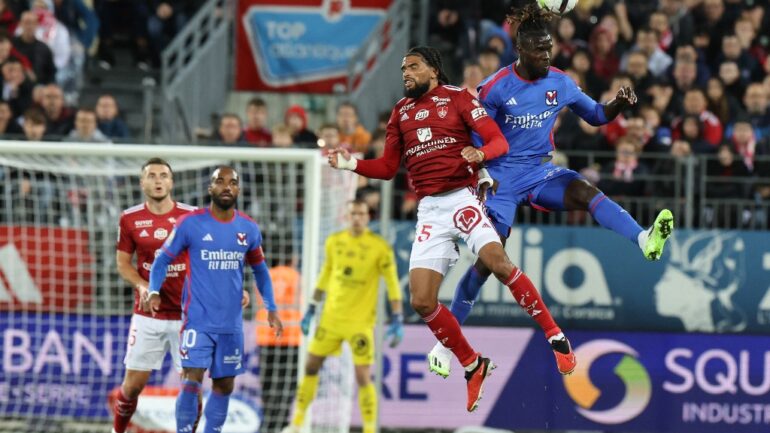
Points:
(360, 344)
(467, 218)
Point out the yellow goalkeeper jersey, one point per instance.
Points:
(350, 277)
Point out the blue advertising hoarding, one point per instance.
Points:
(624, 382)
(591, 278)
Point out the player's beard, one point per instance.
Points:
(418, 90)
(223, 204)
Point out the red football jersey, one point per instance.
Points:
(143, 232)
(429, 133)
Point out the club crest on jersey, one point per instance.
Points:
(467, 218)
(550, 98)
(160, 234)
(421, 115)
(442, 111)
(242, 239)
(424, 134)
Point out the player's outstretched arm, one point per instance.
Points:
(597, 114)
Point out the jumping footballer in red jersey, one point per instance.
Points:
(430, 129)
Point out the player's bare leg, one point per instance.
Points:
(367, 398)
(125, 405)
(423, 286)
(306, 390)
(526, 295)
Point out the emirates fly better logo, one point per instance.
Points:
(638, 388)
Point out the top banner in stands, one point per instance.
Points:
(300, 45)
(625, 381)
(44, 268)
(591, 278)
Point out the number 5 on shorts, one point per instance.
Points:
(188, 338)
(424, 233)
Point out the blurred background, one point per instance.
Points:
(679, 345)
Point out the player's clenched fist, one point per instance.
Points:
(341, 159)
(471, 154)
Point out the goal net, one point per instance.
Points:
(65, 311)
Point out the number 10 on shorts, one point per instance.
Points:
(188, 338)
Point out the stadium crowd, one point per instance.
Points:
(699, 67)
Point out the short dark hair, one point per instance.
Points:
(34, 115)
(256, 102)
(348, 104)
(328, 125)
(358, 202)
(432, 57)
(154, 161)
(231, 116)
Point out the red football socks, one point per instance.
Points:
(447, 330)
(124, 409)
(528, 298)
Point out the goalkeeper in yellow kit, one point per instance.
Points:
(355, 259)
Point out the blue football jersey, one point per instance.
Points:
(526, 111)
(218, 251)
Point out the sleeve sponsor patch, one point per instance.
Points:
(478, 113)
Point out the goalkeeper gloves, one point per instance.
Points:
(395, 329)
(304, 325)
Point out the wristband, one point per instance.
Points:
(346, 164)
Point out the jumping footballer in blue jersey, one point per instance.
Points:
(220, 241)
(525, 98)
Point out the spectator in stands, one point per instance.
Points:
(329, 137)
(605, 61)
(747, 35)
(489, 61)
(256, 131)
(730, 74)
(692, 132)
(60, 118)
(647, 42)
(581, 64)
(734, 52)
(80, 20)
(688, 53)
(666, 168)
(282, 136)
(8, 19)
(17, 89)
(659, 23)
(34, 125)
(724, 106)
(744, 141)
(680, 19)
(86, 130)
(351, 132)
(696, 103)
(38, 53)
(472, 77)
(625, 176)
(660, 134)
(230, 130)
(8, 125)
(296, 120)
(727, 166)
(449, 33)
(756, 102)
(54, 34)
(8, 52)
(566, 42)
(494, 37)
(109, 121)
(713, 22)
(167, 18)
(685, 74)
(636, 68)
